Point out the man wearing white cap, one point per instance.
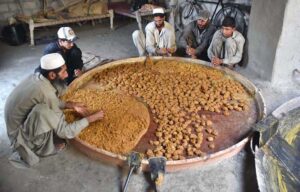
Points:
(197, 36)
(34, 116)
(68, 49)
(160, 37)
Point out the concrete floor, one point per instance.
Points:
(73, 171)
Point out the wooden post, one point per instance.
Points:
(31, 30)
(111, 15)
(139, 20)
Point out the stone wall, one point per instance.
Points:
(9, 8)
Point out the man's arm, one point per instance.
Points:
(210, 53)
(70, 130)
(78, 107)
(71, 104)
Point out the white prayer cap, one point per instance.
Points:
(66, 33)
(52, 61)
(158, 11)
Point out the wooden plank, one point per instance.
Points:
(71, 20)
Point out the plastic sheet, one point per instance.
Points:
(277, 159)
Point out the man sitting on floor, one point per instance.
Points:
(196, 37)
(160, 37)
(227, 45)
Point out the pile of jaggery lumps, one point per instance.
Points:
(176, 92)
(125, 119)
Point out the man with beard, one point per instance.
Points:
(34, 116)
(227, 45)
(197, 36)
(160, 37)
(65, 45)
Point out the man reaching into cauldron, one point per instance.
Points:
(34, 116)
(227, 45)
(160, 37)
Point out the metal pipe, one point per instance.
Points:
(127, 179)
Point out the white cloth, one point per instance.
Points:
(139, 42)
(154, 39)
(233, 47)
(91, 61)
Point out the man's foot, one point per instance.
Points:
(60, 147)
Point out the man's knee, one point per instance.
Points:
(136, 34)
(41, 119)
(38, 113)
(139, 41)
(40, 109)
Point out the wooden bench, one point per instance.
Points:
(33, 25)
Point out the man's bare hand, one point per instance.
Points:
(95, 116)
(171, 50)
(71, 104)
(216, 61)
(162, 51)
(81, 110)
(77, 72)
(191, 52)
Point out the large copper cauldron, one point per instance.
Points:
(234, 131)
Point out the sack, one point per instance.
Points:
(91, 61)
(85, 9)
(99, 8)
(137, 4)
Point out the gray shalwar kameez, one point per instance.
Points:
(197, 38)
(33, 114)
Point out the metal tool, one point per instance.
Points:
(134, 162)
(157, 170)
